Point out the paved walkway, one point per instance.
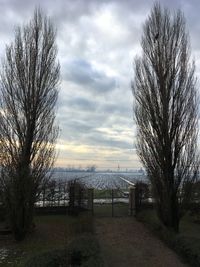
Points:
(127, 243)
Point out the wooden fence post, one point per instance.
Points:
(59, 192)
(44, 196)
(131, 200)
(90, 200)
(112, 203)
(72, 198)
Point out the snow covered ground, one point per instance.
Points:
(99, 180)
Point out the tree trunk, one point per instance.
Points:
(22, 204)
(168, 213)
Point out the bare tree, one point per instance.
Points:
(166, 112)
(29, 79)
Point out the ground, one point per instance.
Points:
(126, 242)
(52, 232)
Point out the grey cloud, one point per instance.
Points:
(100, 140)
(86, 129)
(77, 128)
(89, 99)
(78, 124)
(86, 133)
(85, 126)
(83, 73)
(116, 108)
(77, 103)
(93, 112)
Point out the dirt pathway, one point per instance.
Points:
(127, 243)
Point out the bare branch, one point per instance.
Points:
(166, 111)
(29, 80)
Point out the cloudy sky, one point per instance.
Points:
(97, 42)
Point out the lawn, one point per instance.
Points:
(105, 210)
(51, 232)
(107, 193)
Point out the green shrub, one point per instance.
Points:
(85, 251)
(187, 249)
(55, 258)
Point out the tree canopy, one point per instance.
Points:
(29, 80)
(166, 112)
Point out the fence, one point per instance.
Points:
(59, 197)
(53, 194)
(114, 202)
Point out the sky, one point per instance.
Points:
(97, 42)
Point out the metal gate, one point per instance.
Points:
(111, 203)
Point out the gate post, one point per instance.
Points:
(132, 200)
(90, 200)
(112, 202)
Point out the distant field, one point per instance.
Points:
(100, 180)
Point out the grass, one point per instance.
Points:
(105, 210)
(84, 250)
(52, 232)
(107, 193)
(186, 243)
(104, 193)
(149, 218)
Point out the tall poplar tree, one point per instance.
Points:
(166, 112)
(28, 85)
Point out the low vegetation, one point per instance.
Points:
(83, 250)
(50, 242)
(186, 243)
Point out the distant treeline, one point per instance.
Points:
(91, 168)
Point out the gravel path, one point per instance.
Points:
(127, 243)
